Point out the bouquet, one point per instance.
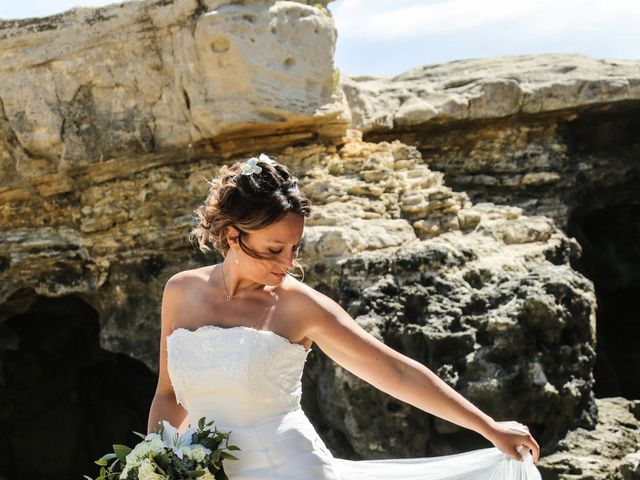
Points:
(167, 455)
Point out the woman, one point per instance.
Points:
(235, 337)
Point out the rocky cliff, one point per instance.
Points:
(111, 121)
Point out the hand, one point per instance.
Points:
(511, 436)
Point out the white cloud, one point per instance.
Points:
(386, 20)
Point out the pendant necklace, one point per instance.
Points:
(229, 297)
(225, 283)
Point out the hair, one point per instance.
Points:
(247, 202)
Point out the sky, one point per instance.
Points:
(388, 37)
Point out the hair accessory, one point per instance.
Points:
(251, 166)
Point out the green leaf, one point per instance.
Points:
(121, 451)
(107, 456)
(141, 435)
(113, 463)
(196, 473)
(228, 455)
(162, 459)
(233, 447)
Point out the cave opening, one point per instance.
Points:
(64, 400)
(609, 236)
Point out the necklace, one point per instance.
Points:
(224, 282)
(229, 297)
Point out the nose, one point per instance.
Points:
(285, 261)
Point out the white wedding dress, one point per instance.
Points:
(248, 381)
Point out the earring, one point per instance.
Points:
(235, 253)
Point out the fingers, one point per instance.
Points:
(530, 444)
(536, 449)
(521, 449)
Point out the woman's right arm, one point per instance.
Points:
(164, 405)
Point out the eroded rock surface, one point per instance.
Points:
(555, 135)
(480, 293)
(142, 77)
(134, 106)
(609, 451)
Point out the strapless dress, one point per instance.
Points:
(248, 381)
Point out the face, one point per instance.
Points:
(279, 243)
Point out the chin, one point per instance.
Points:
(274, 280)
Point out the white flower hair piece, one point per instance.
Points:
(251, 166)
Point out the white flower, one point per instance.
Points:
(266, 159)
(198, 452)
(157, 445)
(207, 475)
(145, 469)
(125, 472)
(139, 452)
(186, 451)
(251, 165)
(152, 436)
(173, 440)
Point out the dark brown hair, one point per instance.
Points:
(247, 202)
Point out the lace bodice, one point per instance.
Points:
(212, 368)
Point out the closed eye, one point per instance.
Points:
(296, 248)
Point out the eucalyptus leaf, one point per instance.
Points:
(121, 451)
(113, 463)
(108, 456)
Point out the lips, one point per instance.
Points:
(279, 275)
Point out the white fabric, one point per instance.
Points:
(248, 381)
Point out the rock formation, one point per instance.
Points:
(542, 132)
(556, 135)
(610, 450)
(131, 107)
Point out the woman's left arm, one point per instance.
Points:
(342, 339)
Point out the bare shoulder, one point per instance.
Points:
(189, 276)
(318, 308)
(180, 291)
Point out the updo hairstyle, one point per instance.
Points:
(247, 202)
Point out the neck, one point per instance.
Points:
(233, 283)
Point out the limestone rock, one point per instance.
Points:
(489, 88)
(141, 77)
(608, 451)
(461, 300)
(553, 135)
(480, 310)
(132, 107)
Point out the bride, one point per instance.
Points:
(235, 337)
